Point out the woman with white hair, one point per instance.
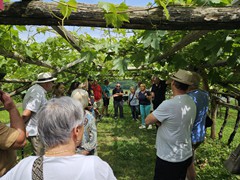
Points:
(89, 141)
(60, 128)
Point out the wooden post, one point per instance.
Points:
(225, 119)
(214, 107)
(236, 125)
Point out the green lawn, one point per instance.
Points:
(131, 152)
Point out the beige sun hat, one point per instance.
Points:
(183, 76)
(45, 77)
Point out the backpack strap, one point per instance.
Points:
(37, 170)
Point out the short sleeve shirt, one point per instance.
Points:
(106, 89)
(97, 92)
(133, 99)
(64, 167)
(89, 141)
(173, 140)
(34, 99)
(143, 99)
(7, 157)
(118, 98)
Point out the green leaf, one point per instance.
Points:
(28, 52)
(73, 5)
(122, 7)
(114, 14)
(107, 7)
(163, 4)
(21, 28)
(120, 65)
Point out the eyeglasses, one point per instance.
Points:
(117, 86)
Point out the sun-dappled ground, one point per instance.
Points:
(131, 151)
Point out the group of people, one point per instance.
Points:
(62, 130)
(143, 101)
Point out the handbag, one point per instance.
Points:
(37, 170)
(232, 164)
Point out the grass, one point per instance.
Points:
(131, 152)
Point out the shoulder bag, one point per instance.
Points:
(37, 170)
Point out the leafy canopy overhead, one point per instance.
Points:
(215, 55)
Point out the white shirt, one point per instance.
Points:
(76, 167)
(173, 140)
(34, 99)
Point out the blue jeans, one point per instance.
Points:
(144, 111)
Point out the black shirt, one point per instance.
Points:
(118, 98)
(159, 93)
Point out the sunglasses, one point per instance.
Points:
(117, 86)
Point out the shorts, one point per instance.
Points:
(98, 104)
(105, 101)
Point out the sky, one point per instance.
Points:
(97, 32)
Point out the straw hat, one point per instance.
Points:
(183, 76)
(45, 77)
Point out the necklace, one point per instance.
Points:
(58, 152)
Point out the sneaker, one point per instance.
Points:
(142, 127)
(149, 127)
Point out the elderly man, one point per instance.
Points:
(12, 137)
(175, 118)
(118, 100)
(34, 99)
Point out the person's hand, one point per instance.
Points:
(84, 152)
(158, 123)
(7, 101)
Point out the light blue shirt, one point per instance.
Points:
(134, 100)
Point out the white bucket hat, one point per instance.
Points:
(45, 77)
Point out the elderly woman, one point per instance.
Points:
(61, 129)
(89, 142)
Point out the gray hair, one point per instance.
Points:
(81, 95)
(57, 119)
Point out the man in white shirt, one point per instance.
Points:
(34, 99)
(175, 118)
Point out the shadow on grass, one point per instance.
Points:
(129, 150)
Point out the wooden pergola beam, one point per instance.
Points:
(181, 18)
